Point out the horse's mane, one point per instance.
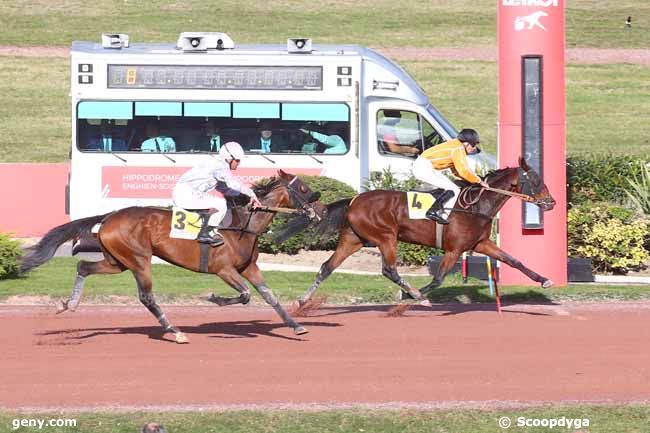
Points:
(265, 185)
(491, 176)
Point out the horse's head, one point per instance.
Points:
(530, 183)
(293, 192)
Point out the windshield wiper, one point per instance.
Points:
(118, 156)
(267, 158)
(169, 157)
(314, 158)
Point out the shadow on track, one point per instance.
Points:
(446, 301)
(225, 330)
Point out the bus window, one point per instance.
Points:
(404, 133)
(265, 127)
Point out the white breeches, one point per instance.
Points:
(187, 198)
(423, 171)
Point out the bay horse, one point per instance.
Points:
(381, 218)
(129, 237)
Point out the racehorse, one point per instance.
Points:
(381, 218)
(129, 237)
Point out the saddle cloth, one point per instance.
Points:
(187, 224)
(420, 201)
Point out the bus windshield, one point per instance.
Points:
(183, 127)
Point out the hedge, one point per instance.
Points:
(10, 252)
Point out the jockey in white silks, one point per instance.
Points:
(193, 189)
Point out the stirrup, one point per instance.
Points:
(435, 216)
(214, 241)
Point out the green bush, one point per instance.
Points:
(331, 190)
(415, 255)
(639, 191)
(10, 252)
(613, 237)
(386, 179)
(601, 178)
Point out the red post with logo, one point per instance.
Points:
(532, 125)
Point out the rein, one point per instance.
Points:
(279, 210)
(465, 200)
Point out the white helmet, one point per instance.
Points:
(231, 150)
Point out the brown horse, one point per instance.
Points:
(381, 218)
(130, 237)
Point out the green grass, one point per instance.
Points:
(379, 23)
(608, 106)
(173, 284)
(630, 419)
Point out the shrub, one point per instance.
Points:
(611, 236)
(386, 179)
(331, 190)
(10, 252)
(601, 178)
(415, 255)
(639, 191)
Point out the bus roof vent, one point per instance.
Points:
(204, 41)
(299, 45)
(115, 40)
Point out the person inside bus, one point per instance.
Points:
(156, 142)
(212, 136)
(450, 154)
(108, 139)
(330, 142)
(387, 135)
(265, 141)
(192, 191)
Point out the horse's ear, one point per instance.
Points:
(523, 164)
(282, 174)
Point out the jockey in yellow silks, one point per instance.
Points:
(450, 154)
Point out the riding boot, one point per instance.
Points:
(204, 236)
(435, 211)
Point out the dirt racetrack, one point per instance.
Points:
(117, 357)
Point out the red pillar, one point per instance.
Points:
(533, 28)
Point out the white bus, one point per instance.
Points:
(143, 113)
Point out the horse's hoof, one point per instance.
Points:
(61, 307)
(425, 303)
(216, 300)
(300, 330)
(546, 284)
(181, 338)
(403, 296)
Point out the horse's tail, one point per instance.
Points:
(45, 249)
(335, 218)
(330, 224)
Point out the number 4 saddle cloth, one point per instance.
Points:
(419, 202)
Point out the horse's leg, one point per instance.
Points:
(234, 280)
(388, 250)
(489, 248)
(143, 278)
(349, 243)
(253, 274)
(446, 265)
(84, 269)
